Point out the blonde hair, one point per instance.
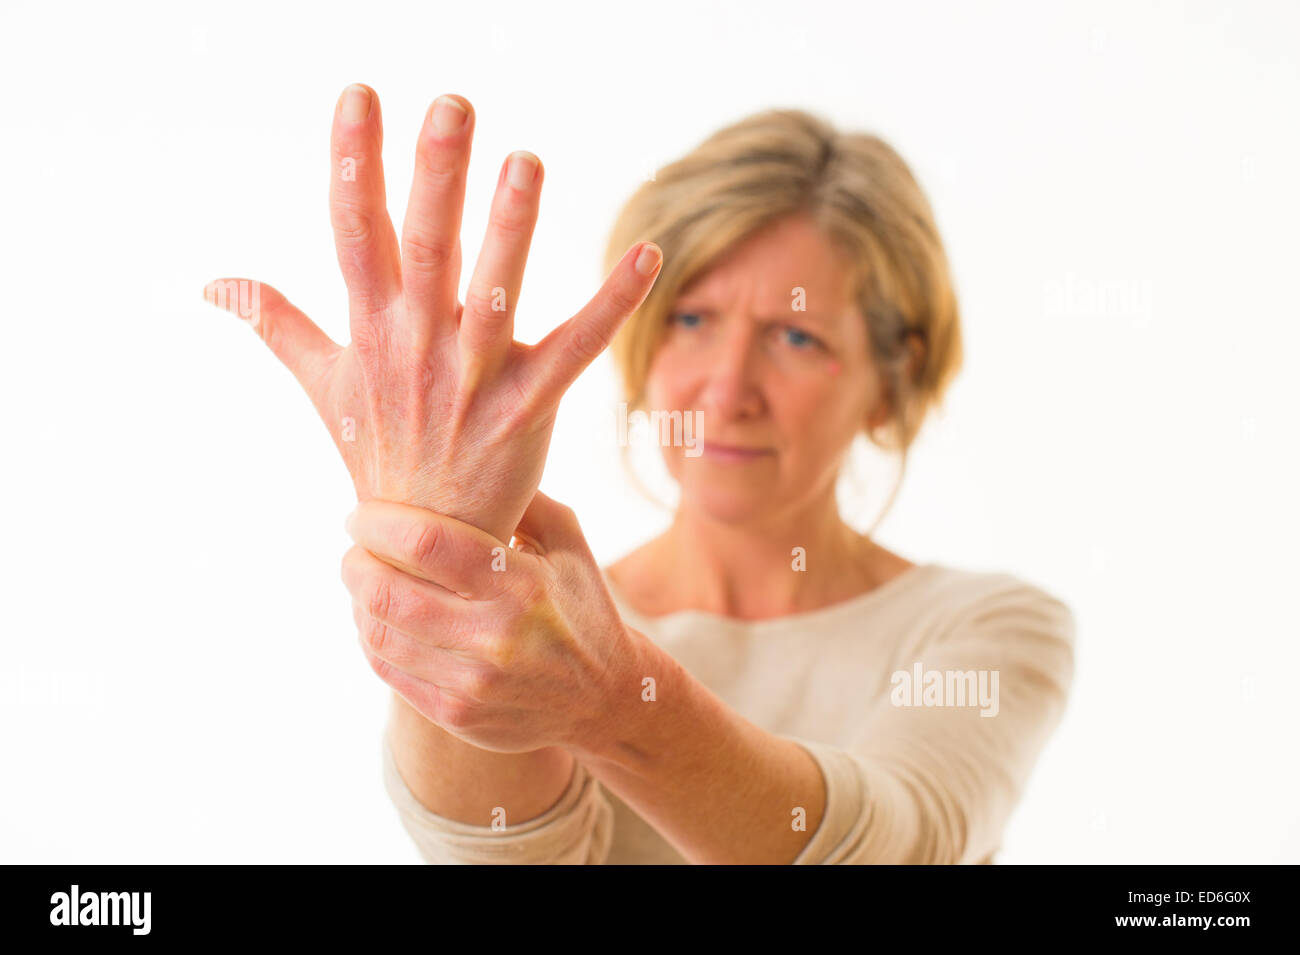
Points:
(864, 199)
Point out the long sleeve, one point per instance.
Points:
(936, 784)
(577, 830)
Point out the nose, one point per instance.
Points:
(731, 388)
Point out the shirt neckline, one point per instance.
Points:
(803, 619)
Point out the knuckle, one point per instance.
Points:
(368, 339)
(477, 684)
(495, 651)
(454, 711)
(512, 217)
(423, 544)
(380, 600)
(623, 299)
(423, 378)
(524, 401)
(351, 225)
(512, 221)
(480, 301)
(439, 171)
(425, 254)
(377, 636)
(585, 342)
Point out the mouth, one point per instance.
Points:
(730, 452)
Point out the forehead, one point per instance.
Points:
(766, 268)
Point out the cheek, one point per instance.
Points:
(667, 382)
(827, 408)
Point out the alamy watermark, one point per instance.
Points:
(243, 297)
(102, 908)
(1082, 297)
(922, 687)
(675, 429)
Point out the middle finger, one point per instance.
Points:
(431, 231)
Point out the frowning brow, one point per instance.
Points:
(812, 318)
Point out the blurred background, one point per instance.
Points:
(1115, 181)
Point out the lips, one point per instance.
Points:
(732, 452)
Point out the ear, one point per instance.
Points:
(878, 417)
(883, 410)
(915, 343)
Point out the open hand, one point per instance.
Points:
(433, 403)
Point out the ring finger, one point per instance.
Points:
(487, 323)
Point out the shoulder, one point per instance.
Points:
(1002, 611)
(1022, 633)
(973, 596)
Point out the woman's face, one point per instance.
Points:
(770, 354)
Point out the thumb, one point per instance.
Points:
(292, 337)
(548, 525)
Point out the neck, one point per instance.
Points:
(780, 563)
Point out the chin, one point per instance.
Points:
(728, 505)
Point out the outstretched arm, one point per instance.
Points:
(432, 402)
(547, 660)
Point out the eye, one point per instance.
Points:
(685, 319)
(800, 339)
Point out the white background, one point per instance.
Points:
(1116, 185)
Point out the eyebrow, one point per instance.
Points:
(815, 318)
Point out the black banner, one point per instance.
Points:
(138, 904)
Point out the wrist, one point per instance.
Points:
(616, 731)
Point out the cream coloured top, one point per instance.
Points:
(886, 691)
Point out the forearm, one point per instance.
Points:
(719, 788)
(459, 781)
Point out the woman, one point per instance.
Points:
(758, 684)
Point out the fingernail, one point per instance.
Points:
(350, 525)
(356, 103)
(649, 259)
(522, 170)
(448, 116)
